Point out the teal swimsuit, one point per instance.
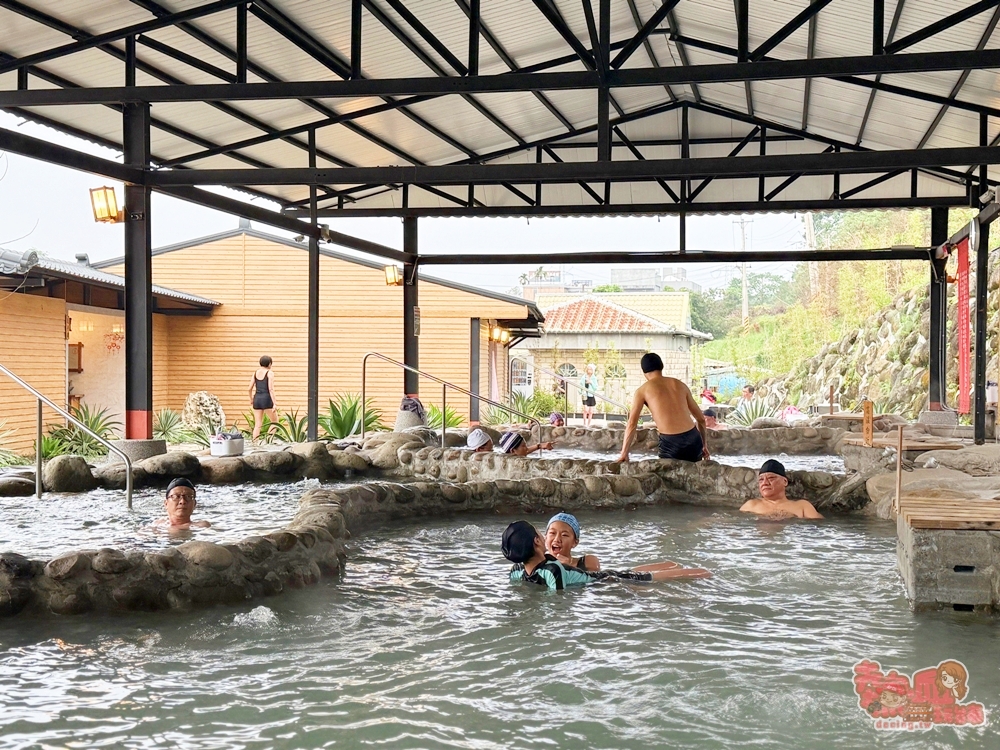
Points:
(554, 575)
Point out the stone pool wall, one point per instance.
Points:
(794, 441)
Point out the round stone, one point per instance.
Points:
(210, 555)
(66, 566)
(111, 561)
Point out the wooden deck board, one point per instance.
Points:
(908, 445)
(971, 514)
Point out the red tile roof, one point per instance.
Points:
(590, 314)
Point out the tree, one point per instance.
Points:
(608, 288)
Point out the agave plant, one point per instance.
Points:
(267, 427)
(201, 435)
(524, 404)
(343, 417)
(7, 456)
(451, 417)
(52, 446)
(82, 443)
(290, 428)
(495, 415)
(749, 411)
(167, 426)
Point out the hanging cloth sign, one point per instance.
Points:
(964, 329)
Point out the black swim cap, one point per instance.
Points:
(773, 467)
(651, 362)
(518, 543)
(179, 482)
(710, 413)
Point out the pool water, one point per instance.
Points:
(827, 463)
(61, 523)
(424, 644)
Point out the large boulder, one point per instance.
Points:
(274, 462)
(228, 470)
(202, 408)
(171, 465)
(68, 474)
(111, 476)
(976, 460)
(764, 423)
(316, 460)
(16, 486)
(385, 455)
(344, 462)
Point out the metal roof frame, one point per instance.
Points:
(220, 68)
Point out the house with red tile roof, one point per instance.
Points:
(612, 331)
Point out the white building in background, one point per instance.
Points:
(653, 279)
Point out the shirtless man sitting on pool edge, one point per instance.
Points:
(771, 482)
(678, 418)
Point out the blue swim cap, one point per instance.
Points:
(567, 519)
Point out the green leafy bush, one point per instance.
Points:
(81, 443)
(544, 403)
(266, 431)
(167, 426)
(201, 435)
(495, 415)
(343, 417)
(452, 418)
(748, 411)
(290, 428)
(52, 446)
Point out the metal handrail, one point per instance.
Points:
(80, 425)
(565, 380)
(445, 385)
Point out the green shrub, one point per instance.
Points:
(266, 432)
(543, 404)
(495, 415)
(52, 446)
(343, 417)
(201, 435)
(79, 442)
(7, 456)
(452, 417)
(291, 428)
(167, 426)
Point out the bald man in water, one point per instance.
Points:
(678, 418)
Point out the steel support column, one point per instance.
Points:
(411, 302)
(938, 334)
(138, 280)
(982, 274)
(475, 346)
(312, 395)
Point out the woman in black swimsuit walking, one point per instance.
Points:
(262, 396)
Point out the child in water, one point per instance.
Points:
(525, 547)
(561, 536)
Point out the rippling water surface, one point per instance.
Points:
(63, 522)
(423, 644)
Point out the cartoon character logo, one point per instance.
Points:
(931, 697)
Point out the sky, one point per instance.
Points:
(46, 208)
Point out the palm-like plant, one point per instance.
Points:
(81, 443)
(201, 435)
(7, 456)
(749, 411)
(290, 428)
(343, 417)
(266, 430)
(451, 417)
(52, 446)
(167, 426)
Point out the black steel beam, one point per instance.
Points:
(475, 347)
(788, 29)
(938, 333)
(241, 43)
(356, 39)
(982, 354)
(643, 34)
(138, 279)
(661, 209)
(113, 36)
(25, 145)
(729, 256)
(938, 26)
(312, 345)
(765, 70)
(807, 84)
(497, 174)
(637, 19)
(475, 21)
(742, 29)
(555, 19)
(411, 302)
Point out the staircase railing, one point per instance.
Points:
(79, 425)
(445, 385)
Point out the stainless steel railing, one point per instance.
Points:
(564, 380)
(79, 425)
(445, 385)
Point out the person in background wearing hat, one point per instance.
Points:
(771, 482)
(712, 421)
(525, 547)
(479, 441)
(513, 443)
(180, 504)
(556, 419)
(561, 536)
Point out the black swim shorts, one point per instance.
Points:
(687, 446)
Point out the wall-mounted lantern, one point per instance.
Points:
(393, 276)
(105, 205)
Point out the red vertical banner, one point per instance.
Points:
(964, 327)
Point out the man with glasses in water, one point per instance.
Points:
(180, 504)
(678, 418)
(773, 503)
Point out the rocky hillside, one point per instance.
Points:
(886, 358)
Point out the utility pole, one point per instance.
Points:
(743, 268)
